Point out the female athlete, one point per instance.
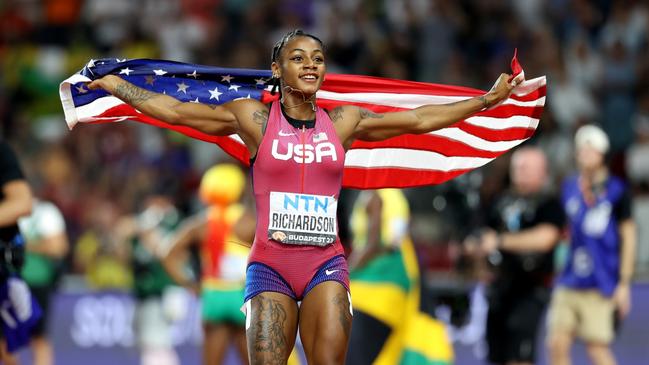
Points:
(297, 275)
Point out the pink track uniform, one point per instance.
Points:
(297, 176)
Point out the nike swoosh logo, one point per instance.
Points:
(282, 134)
(329, 272)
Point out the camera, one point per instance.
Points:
(12, 256)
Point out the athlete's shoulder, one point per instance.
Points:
(343, 113)
(252, 116)
(245, 107)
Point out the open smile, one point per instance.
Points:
(310, 77)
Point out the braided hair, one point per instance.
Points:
(277, 49)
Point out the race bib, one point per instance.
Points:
(302, 219)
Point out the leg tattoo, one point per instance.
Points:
(267, 331)
(344, 315)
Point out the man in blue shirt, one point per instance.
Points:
(594, 285)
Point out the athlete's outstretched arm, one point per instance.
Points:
(219, 120)
(378, 126)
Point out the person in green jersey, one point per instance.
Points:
(146, 236)
(46, 246)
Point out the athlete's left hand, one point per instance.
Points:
(622, 299)
(503, 88)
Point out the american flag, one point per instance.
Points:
(403, 161)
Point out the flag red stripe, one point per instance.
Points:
(495, 135)
(508, 110)
(375, 178)
(342, 83)
(234, 148)
(367, 84)
(534, 95)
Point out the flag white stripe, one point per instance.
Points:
(528, 86)
(236, 138)
(97, 107)
(459, 135)
(69, 110)
(413, 159)
(515, 121)
(407, 101)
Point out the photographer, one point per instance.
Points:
(16, 201)
(525, 225)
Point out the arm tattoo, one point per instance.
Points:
(336, 114)
(344, 314)
(260, 116)
(132, 94)
(267, 331)
(365, 113)
(485, 103)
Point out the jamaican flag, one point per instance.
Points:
(389, 327)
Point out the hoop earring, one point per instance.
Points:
(275, 82)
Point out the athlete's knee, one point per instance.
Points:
(328, 356)
(265, 359)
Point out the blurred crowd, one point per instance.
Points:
(595, 54)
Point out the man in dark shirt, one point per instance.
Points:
(15, 195)
(525, 224)
(15, 202)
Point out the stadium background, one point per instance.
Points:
(595, 54)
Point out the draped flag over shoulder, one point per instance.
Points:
(403, 161)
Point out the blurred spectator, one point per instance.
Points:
(16, 202)
(109, 20)
(61, 17)
(570, 103)
(46, 247)
(638, 171)
(222, 234)
(618, 85)
(583, 64)
(97, 253)
(594, 287)
(627, 25)
(144, 236)
(525, 225)
(556, 145)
